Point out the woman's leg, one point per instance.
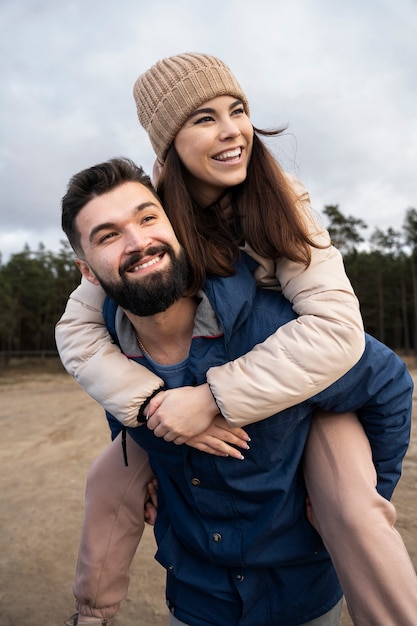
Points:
(357, 524)
(113, 526)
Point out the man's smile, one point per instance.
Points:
(144, 265)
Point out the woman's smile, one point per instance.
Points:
(229, 156)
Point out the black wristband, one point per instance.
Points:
(141, 418)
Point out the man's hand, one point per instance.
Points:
(309, 512)
(216, 439)
(179, 414)
(151, 505)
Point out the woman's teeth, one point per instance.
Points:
(231, 154)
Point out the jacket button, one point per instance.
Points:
(216, 537)
(195, 482)
(240, 577)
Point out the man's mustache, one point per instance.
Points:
(136, 258)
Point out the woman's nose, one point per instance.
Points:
(229, 129)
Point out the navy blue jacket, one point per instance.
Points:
(232, 534)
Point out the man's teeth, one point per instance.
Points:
(232, 154)
(143, 266)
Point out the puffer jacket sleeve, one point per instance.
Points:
(87, 352)
(305, 355)
(380, 390)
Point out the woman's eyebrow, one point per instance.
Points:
(212, 110)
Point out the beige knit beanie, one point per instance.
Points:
(173, 88)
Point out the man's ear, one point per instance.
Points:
(86, 271)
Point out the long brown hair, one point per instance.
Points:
(266, 214)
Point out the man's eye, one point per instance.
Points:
(148, 218)
(106, 237)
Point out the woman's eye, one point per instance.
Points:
(202, 120)
(238, 111)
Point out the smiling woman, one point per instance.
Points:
(223, 191)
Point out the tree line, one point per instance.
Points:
(34, 285)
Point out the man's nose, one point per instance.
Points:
(137, 239)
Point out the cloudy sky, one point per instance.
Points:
(342, 75)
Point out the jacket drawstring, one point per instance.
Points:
(124, 448)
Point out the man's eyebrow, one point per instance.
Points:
(109, 225)
(212, 110)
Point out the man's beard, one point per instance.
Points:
(154, 293)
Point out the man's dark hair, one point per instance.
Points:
(96, 181)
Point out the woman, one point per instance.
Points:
(232, 193)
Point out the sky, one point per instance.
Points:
(341, 75)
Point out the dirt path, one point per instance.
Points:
(51, 432)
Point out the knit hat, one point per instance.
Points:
(173, 88)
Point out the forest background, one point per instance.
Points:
(35, 285)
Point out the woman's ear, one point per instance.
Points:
(86, 271)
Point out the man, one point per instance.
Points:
(232, 536)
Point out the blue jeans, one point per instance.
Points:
(331, 618)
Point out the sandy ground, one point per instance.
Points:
(51, 432)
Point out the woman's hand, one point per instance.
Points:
(220, 438)
(190, 415)
(180, 414)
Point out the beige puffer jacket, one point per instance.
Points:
(301, 359)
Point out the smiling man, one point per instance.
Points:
(124, 228)
(232, 535)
